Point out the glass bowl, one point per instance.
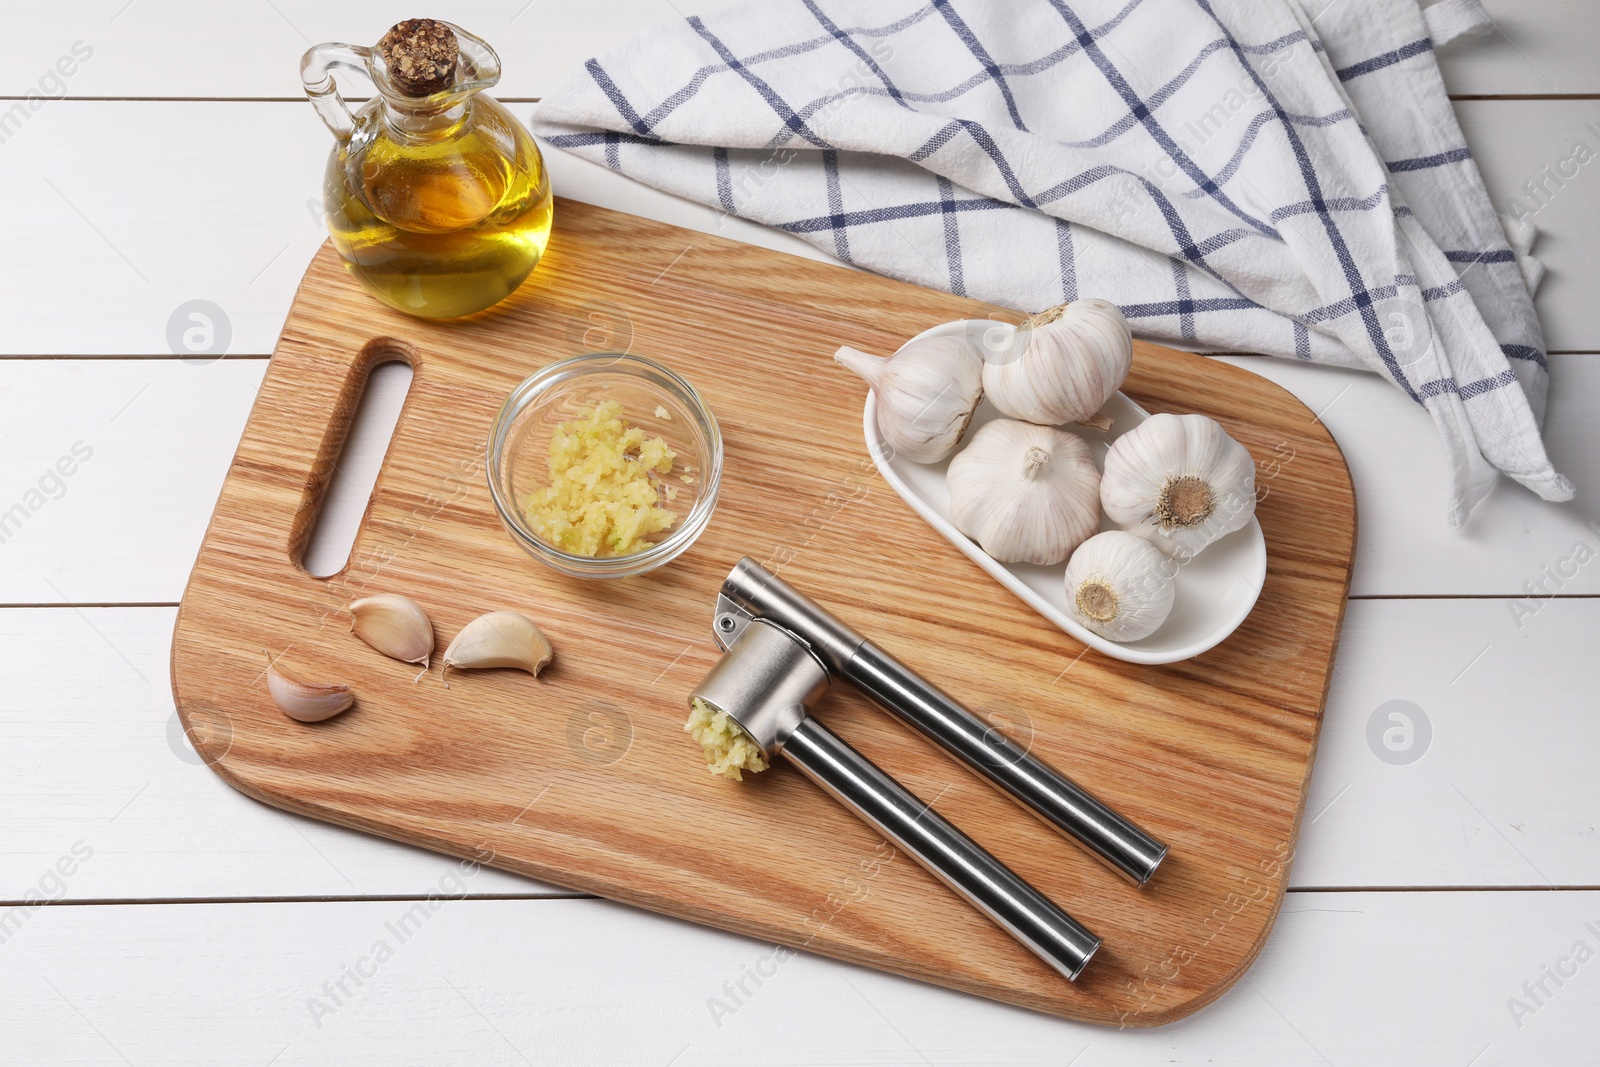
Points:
(653, 398)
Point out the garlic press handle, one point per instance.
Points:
(1116, 841)
(963, 865)
(752, 592)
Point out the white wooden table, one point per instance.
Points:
(189, 925)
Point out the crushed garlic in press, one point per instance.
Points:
(728, 749)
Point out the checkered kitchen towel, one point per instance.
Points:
(1277, 176)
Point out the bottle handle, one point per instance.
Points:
(316, 74)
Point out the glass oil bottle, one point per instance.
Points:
(437, 199)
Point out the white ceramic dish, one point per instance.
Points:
(1215, 590)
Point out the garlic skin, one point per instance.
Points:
(394, 625)
(1120, 586)
(499, 639)
(1179, 481)
(1025, 493)
(927, 392)
(1062, 365)
(306, 701)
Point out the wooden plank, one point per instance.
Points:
(111, 470)
(1406, 547)
(1423, 979)
(1535, 47)
(183, 225)
(252, 50)
(95, 751)
(159, 466)
(175, 226)
(1484, 777)
(1515, 142)
(123, 965)
(462, 769)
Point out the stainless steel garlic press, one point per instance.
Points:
(782, 652)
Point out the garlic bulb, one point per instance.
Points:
(394, 625)
(500, 639)
(1180, 481)
(1025, 493)
(1120, 586)
(306, 701)
(926, 392)
(1062, 365)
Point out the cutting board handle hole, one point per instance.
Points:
(348, 484)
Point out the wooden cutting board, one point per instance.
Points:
(583, 777)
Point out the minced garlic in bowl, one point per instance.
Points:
(604, 465)
(606, 489)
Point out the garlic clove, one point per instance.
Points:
(1062, 365)
(1180, 481)
(927, 392)
(1025, 493)
(500, 639)
(306, 701)
(1120, 586)
(394, 625)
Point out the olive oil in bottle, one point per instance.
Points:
(437, 198)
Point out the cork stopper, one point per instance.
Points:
(421, 56)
